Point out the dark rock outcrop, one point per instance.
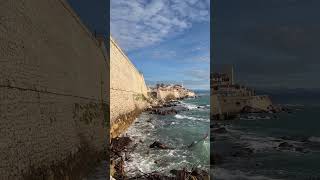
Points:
(249, 109)
(167, 110)
(220, 130)
(119, 144)
(197, 174)
(159, 145)
(285, 145)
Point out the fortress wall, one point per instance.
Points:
(53, 91)
(127, 90)
(260, 102)
(234, 104)
(231, 104)
(163, 94)
(176, 93)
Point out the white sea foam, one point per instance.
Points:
(138, 164)
(145, 160)
(259, 143)
(154, 161)
(223, 174)
(179, 116)
(294, 105)
(189, 105)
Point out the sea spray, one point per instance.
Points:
(177, 131)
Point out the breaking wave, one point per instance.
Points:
(189, 105)
(178, 116)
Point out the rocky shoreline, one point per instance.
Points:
(246, 111)
(122, 146)
(234, 145)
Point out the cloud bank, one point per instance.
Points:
(141, 23)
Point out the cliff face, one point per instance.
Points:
(168, 92)
(128, 91)
(53, 91)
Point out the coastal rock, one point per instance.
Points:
(200, 174)
(119, 170)
(197, 174)
(167, 93)
(285, 145)
(152, 176)
(159, 145)
(167, 110)
(281, 108)
(214, 125)
(163, 111)
(120, 143)
(295, 138)
(220, 130)
(171, 104)
(249, 109)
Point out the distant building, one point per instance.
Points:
(218, 79)
(228, 98)
(227, 71)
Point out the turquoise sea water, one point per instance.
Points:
(300, 129)
(177, 131)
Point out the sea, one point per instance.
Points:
(283, 146)
(177, 131)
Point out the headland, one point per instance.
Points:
(229, 100)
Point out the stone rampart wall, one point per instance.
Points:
(53, 91)
(128, 91)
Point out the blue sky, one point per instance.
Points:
(93, 13)
(167, 40)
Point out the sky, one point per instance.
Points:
(94, 14)
(167, 40)
(271, 43)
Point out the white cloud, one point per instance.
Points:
(141, 23)
(197, 74)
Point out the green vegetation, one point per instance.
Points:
(140, 97)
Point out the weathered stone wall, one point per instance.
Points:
(163, 94)
(128, 91)
(53, 90)
(234, 104)
(260, 102)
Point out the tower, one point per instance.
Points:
(231, 74)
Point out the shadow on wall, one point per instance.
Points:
(54, 92)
